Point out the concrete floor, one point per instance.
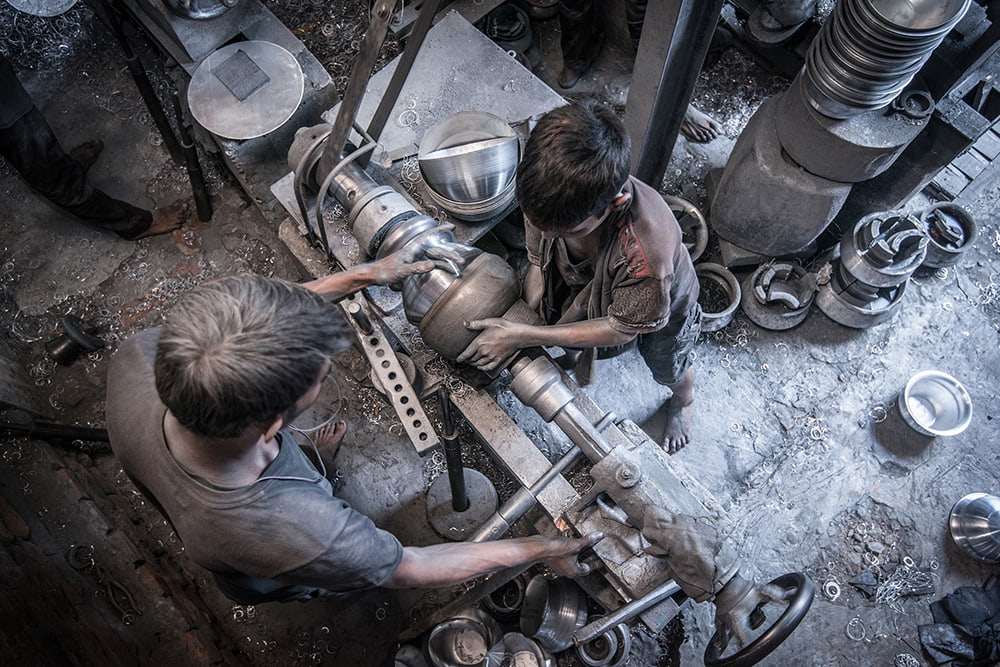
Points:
(796, 434)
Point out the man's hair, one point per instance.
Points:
(575, 161)
(242, 350)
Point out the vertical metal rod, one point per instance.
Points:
(108, 16)
(453, 454)
(202, 201)
(360, 74)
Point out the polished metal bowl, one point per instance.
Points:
(553, 610)
(934, 403)
(466, 640)
(975, 526)
(469, 156)
(472, 172)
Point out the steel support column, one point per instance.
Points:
(675, 38)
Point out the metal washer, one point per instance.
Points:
(225, 115)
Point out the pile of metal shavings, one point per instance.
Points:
(333, 31)
(874, 550)
(54, 43)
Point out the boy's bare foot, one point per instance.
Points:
(698, 126)
(329, 438)
(677, 431)
(168, 218)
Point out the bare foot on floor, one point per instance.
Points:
(677, 431)
(329, 438)
(168, 218)
(699, 127)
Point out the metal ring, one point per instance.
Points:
(831, 590)
(855, 629)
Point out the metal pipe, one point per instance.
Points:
(48, 430)
(202, 201)
(523, 500)
(360, 73)
(453, 454)
(113, 22)
(626, 612)
(675, 39)
(402, 71)
(582, 432)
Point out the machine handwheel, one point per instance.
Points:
(799, 591)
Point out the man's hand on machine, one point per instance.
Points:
(564, 560)
(499, 340)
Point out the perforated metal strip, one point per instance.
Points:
(389, 371)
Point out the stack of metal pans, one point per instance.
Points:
(869, 50)
(468, 160)
(877, 257)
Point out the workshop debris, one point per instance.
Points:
(966, 628)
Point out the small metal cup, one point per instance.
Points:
(934, 403)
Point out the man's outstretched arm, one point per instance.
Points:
(386, 271)
(450, 564)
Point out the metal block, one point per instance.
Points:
(989, 143)
(971, 163)
(766, 202)
(457, 69)
(949, 182)
(849, 150)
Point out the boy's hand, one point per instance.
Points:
(497, 342)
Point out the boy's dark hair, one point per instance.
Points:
(242, 350)
(575, 161)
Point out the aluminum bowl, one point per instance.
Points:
(552, 611)
(975, 526)
(934, 403)
(469, 157)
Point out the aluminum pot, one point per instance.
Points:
(719, 297)
(488, 287)
(553, 610)
(934, 403)
(974, 523)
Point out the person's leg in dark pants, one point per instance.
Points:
(30, 147)
(581, 39)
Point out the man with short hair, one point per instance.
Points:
(197, 413)
(607, 262)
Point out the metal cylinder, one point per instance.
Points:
(869, 50)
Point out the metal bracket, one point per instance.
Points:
(390, 373)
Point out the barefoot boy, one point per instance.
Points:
(607, 262)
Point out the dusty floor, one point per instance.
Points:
(796, 432)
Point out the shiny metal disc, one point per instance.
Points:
(222, 112)
(43, 7)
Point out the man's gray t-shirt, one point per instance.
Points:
(275, 539)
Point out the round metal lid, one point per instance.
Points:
(42, 7)
(246, 89)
